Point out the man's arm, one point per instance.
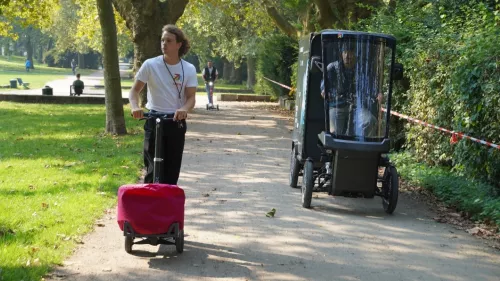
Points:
(133, 97)
(181, 113)
(190, 93)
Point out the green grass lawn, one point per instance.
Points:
(60, 173)
(14, 68)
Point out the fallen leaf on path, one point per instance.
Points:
(271, 213)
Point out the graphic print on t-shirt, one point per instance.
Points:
(177, 79)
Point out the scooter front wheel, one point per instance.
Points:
(129, 241)
(179, 242)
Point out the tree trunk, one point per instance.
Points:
(115, 121)
(50, 44)
(40, 54)
(81, 61)
(392, 5)
(146, 19)
(236, 76)
(228, 69)
(279, 20)
(29, 50)
(326, 16)
(251, 72)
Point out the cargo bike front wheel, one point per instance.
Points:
(390, 189)
(307, 183)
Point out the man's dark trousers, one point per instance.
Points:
(172, 141)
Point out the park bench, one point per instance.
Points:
(25, 85)
(75, 91)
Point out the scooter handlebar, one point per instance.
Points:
(162, 116)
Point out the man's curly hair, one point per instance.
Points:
(180, 38)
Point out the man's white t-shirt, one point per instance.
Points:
(163, 91)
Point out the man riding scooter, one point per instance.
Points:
(210, 74)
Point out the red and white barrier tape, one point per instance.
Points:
(454, 135)
(282, 85)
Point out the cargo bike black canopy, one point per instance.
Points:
(341, 125)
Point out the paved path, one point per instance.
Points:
(235, 169)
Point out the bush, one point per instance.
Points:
(450, 53)
(479, 200)
(276, 60)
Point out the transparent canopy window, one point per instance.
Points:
(356, 87)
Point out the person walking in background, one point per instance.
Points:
(73, 66)
(210, 74)
(28, 65)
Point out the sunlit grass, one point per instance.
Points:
(59, 173)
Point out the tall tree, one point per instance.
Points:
(25, 13)
(145, 19)
(115, 121)
(233, 32)
(339, 14)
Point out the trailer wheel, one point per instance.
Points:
(307, 184)
(207, 106)
(179, 242)
(129, 241)
(390, 189)
(294, 168)
(217, 107)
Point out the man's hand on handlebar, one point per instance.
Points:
(138, 114)
(180, 114)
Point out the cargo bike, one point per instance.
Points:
(341, 126)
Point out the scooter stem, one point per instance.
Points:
(157, 159)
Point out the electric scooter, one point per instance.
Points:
(211, 93)
(155, 211)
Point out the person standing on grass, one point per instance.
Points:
(28, 65)
(171, 83)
